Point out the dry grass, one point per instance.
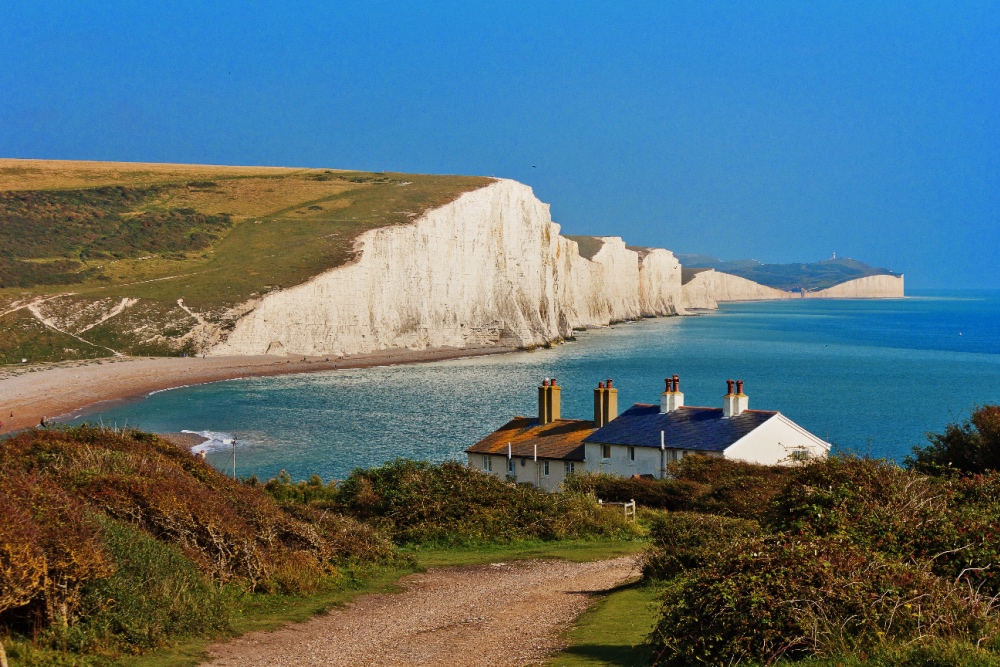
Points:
(71, 174)
(288, 225)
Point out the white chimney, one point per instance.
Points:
(734, 402)
(672, 398)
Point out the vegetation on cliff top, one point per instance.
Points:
(212, 236)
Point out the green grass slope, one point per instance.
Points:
(88, 235)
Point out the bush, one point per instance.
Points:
(684, 541)
(695, 484)
(778, 596)
(452, 503)
(971, 447)
(949, 526)
(154, 595)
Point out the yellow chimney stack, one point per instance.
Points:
(549, 402)
(599, 394)
(610, 402)
(544, 414)
(555, 400)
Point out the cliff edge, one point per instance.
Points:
(489, 268)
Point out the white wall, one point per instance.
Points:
(526, 470)
(647, 460)
(774, 441)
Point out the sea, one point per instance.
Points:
(870, 376)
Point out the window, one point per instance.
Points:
(545, 468)
(487, 463)
(606, 452)
(570, 467)
(510, 466)
(631, 454)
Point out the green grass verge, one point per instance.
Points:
(613, 632)
(576, 551)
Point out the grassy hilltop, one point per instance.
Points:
(87, 236)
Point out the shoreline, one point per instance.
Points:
(68, 390)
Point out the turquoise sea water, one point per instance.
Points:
(869, 376)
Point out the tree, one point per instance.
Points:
(968, 448)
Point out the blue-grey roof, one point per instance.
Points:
(700, 429)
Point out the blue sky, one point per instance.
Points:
(781, 131)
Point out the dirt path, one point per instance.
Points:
(485, 615)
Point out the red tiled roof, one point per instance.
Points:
(562, 439)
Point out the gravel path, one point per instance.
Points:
(484, 615)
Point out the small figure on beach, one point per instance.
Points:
(42, 423)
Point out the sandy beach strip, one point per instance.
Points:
(27, 394)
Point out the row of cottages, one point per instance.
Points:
(643, 440)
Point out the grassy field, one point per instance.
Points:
(215, 237)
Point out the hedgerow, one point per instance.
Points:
(416, 501)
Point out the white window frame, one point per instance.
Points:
(631, 455)
(487, 463)
(545, 468)
(605, 452)
(570, 467)
(510, 466)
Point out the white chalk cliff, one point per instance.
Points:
(489, 268)
(869, 287)
(709, 287)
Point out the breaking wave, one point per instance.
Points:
(214, 441)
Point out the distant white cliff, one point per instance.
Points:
(489, 268)
(869, 287)
(710, 287)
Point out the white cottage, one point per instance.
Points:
(643, 440)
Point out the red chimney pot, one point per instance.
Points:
(545, 382)
(730, 384)
(739, 386)
(677, 383)
(600, 385)
(668, 384)
(607, 383)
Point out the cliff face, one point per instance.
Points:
(659, 283)
(707, 288)
(490, 268)
(869, 287)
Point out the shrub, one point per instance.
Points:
(948, 525)
(450, 502)
(685, 541)
(154, 595)
(970, 447)
(783, 596)
(695, 484)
